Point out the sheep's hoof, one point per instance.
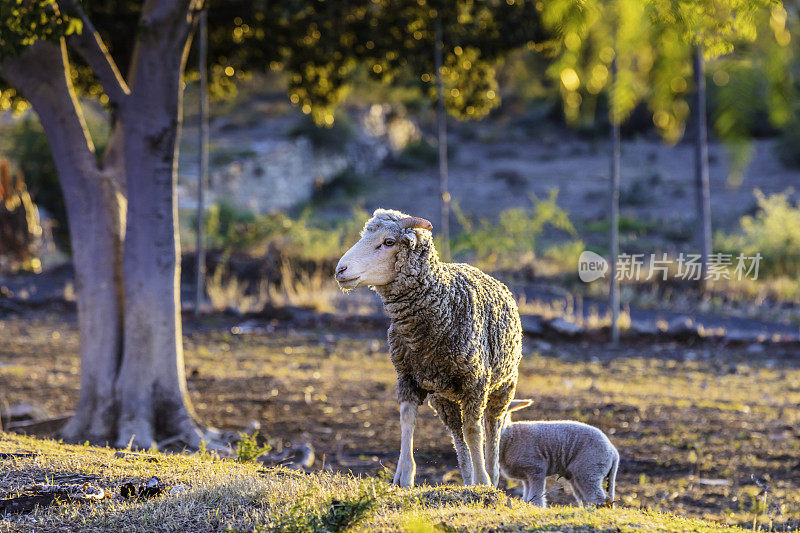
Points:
(482, 478)
(404, 476)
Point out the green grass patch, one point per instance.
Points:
(235, 230)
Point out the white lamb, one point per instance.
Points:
(577, 452)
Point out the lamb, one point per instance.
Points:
(581, 454)
(455, 338)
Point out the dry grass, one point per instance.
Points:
(314, 290)
(223, 495)
(571, 310)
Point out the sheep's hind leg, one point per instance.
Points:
(492, 419)
(450, 414)
(406, 468)
(471, 414)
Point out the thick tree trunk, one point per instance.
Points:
(94, 212)
(151, 387)
(702, 184)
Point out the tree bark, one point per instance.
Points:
(616, 156)
(702, 184)
(94, 212)
(202, 177)
(151, 386)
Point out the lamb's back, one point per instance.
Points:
(558, 443)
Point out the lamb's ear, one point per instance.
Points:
(410, 238)
(516, 405)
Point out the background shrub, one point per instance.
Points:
(774, 232)
(514, 239)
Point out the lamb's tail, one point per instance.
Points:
(612, 477)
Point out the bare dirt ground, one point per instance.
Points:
(693, 423)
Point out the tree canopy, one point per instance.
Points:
(320, 45)
(652, 43)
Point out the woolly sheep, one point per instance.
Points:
(455, 338)
(577, 452)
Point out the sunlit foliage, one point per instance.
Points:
(653, 43)
(773, 232)
(26, 21)
(23, 22)
(320, 46)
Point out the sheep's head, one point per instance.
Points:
(373, 260)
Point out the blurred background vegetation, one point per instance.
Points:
(526, 232)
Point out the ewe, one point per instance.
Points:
(581, 454)
(455, 338)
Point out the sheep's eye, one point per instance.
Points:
(389, 241)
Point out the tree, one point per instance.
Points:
(202, 178)
(710, 28)
(603, 44)
(456, 46)
(653, 46)
(121, 208)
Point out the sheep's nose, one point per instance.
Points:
(340, 270)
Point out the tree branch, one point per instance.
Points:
(91, 48)
(192, 18)
(41, 74)
(157, 12)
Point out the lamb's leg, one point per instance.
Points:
(471, 414)
(464, 459)
(535, 490)
(590, 488)
(575, 494)
(450, 414)
(612, 478)
(406, 468)
(492, 419)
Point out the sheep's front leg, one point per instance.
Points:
(471, 413)
(406, 468)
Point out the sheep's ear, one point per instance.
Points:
(410, 238)
(516, 405)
